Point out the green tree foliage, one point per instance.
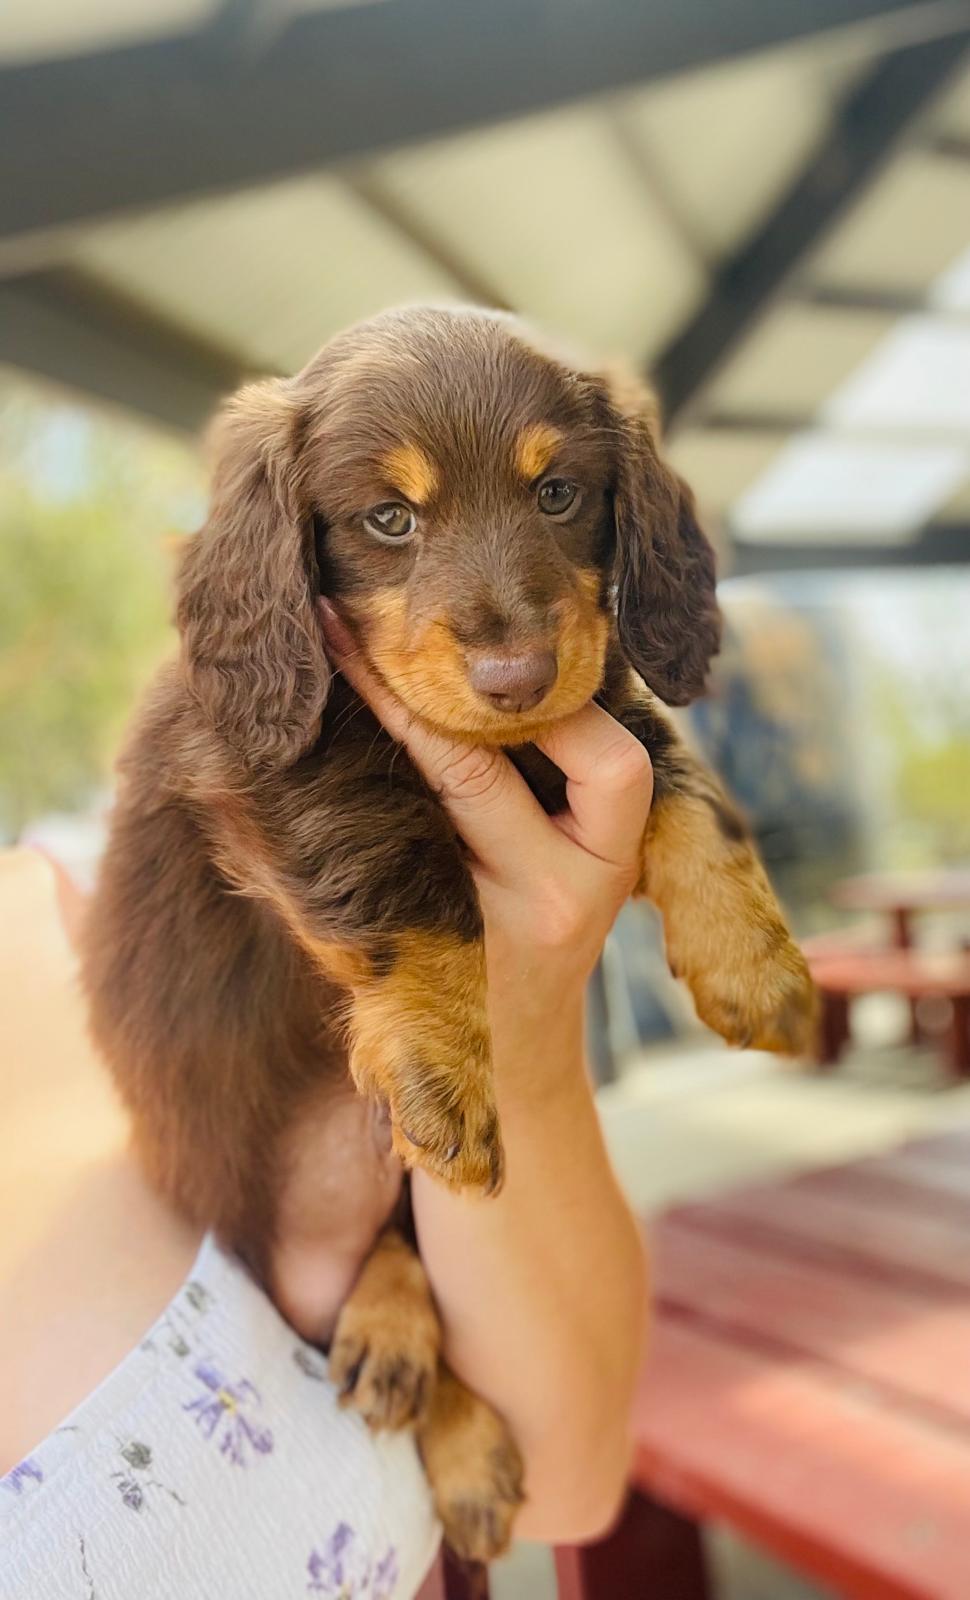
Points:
(91, 509)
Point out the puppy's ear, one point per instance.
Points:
(668, 620)
(251, 648)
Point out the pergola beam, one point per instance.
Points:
(139, 126)
(70, 329)
(785, 423)
(940, 544)
(874, 302)
(871, 122)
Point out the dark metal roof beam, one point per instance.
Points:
(874, 302)
(69, 328)
(138, 126)
(939, 544)
(784, 423)
(950, 147)
(873, 118)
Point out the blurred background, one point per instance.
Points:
(764, 207)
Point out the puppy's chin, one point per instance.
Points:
(439, 694)
(485, 727)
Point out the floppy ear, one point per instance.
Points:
(668, 620)
(251, 649)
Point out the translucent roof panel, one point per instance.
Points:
(793, 359)
(703, 134)
(957, 507)
(951, 114)
(720, 466)
(951, 291)
(917, 378)
(904, 232)
(551, 214)
(827, 488)
(271, 274)
(31, 31)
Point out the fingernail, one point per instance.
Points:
(336, 631)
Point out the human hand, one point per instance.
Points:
(549, 887)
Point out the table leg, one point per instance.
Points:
(960, 1036)
(903, 940)
(833, 1028)
(653, 1553)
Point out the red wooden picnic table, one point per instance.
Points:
(843, 974)
(808, 1384)
(900, 894)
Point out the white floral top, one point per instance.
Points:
(215, 1464)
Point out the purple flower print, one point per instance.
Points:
(384, 1581)
(224, 1412)
(329, 1568)
(21, 1476)
(342, 1571)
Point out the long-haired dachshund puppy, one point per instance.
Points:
(284, 900)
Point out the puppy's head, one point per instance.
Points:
(483, 514)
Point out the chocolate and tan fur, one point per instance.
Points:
(284, 900)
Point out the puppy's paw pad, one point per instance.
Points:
(474, 1468)
(382, 1370)
(478, 1514)
(457, 1140)
(761, 1004)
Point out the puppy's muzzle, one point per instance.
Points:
(512, 682)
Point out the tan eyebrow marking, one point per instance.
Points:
(535, 448)
(412, 472)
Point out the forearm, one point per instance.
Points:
(542, 1288)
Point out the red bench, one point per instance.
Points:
(841, 975)
(809, 1385)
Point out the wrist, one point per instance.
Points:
(538, 1042)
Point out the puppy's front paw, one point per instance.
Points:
(758, 994)
(475, 1471)
(384, 1371)
(420, 1042)
(447, 1123)
(384, 1353)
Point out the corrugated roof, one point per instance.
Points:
(610, 222)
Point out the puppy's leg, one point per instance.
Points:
(385, 1361)
(474, 1468)
(384, 1352)
(725, 933)
(419, 1039)
(358, 858)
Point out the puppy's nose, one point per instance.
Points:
(513, 682)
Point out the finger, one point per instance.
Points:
(609, 782)
(485, 796)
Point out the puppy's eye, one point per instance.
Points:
(391, 520)
(557, 496)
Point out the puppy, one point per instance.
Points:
(283, 900)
